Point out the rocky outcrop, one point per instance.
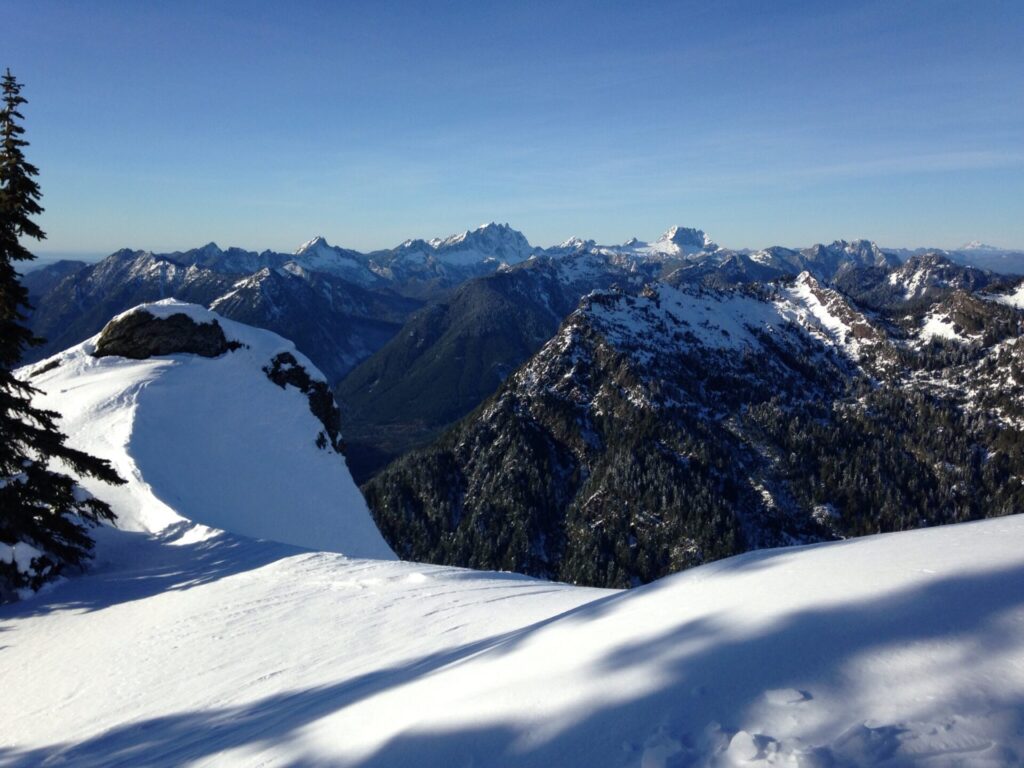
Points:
(140, 335)
(284, 370)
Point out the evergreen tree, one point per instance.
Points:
(43, 513)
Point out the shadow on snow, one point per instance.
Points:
(810, 651)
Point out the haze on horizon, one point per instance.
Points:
(165, 126)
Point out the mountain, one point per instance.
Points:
(246, 612)
(317, 255)
(338, 323)
(977, 254)
(454, 353)
(659, 431)
(39, 281)
(492, 241)
(920, 279)
(211, 422)
(78, 306)
(335, 321)
(351, 304)
(426, 270)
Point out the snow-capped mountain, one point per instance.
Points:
(73, 302)
(677, 241)
(239, 436)
(921, 278)
(337, 322)
(657, 431)
(488, 241)
(317, 255)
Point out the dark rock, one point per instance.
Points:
(141, 335)
(284, 370)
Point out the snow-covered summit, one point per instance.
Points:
(216, 441)
(318, 255)
(575, 243)
(675, 242)
(488, 241)
(684, 239)
(977, 245)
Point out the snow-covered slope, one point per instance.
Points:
(895, 650)
(210, 440)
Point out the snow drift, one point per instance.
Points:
(212, 440)
(896, 650)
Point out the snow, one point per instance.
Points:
(20, 554)
(977, 245)
(893, 650)
(806, 291)
(712, 319)
(1015, 299)
(213, 441)
(678, 242)
(939, 326)
(719, 320)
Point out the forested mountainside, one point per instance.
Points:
(659, 431)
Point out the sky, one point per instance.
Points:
(165, 125)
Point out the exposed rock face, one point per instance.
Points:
(141, 335)
(285, 370)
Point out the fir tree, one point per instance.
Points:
(44, 514)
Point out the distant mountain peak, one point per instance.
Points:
(575, 243)
(977, 245)
(490, 240)
(685, 236)
(311, 246)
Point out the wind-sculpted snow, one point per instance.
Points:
(214, 441)
(894, 651)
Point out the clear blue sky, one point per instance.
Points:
(164, 125)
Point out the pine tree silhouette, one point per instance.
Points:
(40, 506)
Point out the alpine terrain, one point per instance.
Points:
(245, 611)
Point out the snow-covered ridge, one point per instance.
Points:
(898, 651)
(210, 440)
(665, 319)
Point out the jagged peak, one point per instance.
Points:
(684, 236)
(211, 248)
(576, 243)
(317, 243)
(806, 278)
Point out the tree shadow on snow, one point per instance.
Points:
(706, 672)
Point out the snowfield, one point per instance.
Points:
(191, 642)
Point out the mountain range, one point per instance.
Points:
(609, 414)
